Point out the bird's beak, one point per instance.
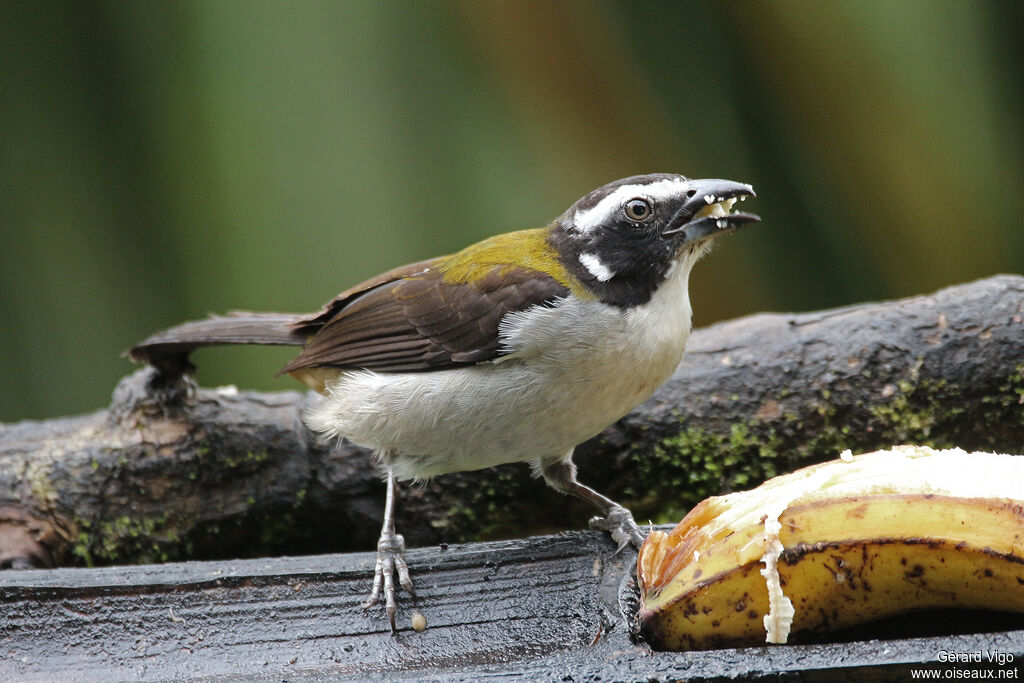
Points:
(708, 212)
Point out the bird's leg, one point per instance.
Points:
(617, 520)
(390, 558)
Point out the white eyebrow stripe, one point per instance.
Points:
(599, 270)
(586, 220)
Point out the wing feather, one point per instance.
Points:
(414, 319)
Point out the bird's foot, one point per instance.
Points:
(390, 560)
(619, 523)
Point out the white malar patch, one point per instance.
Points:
(586, 220)
(599, 270)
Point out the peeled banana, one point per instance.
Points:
(838, 544)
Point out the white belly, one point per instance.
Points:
(574, 368)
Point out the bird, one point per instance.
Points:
(515, 349)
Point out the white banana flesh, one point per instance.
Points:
(839, 544)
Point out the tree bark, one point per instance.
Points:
(170, 472)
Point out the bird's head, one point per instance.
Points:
(624, 239)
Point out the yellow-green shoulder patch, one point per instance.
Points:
(527, 249)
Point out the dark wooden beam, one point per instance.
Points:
(544, 608)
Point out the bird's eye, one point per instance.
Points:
(638, 209)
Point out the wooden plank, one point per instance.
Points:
(539, 608)
(294, 616)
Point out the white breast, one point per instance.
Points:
(572, 369)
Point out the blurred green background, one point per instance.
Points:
(163, 160)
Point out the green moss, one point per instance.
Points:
(214, 462)
(1012, 392)
(125, 540)
(904, 421)
(934, 413)
(81, 549)
(250, 458)
(694, 464)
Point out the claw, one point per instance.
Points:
(378, 575)
(618, 520)
(620, 524)
(390, 559)
(403, 575)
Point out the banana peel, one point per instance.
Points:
(837, 545)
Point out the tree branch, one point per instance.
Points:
(202, 473)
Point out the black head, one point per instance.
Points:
(623, 239)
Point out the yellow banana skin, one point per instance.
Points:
(844, 560)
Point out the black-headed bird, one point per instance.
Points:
(515, 349)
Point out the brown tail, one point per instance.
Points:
(168, 350)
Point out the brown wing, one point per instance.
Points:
(413, 319)
(312, 323)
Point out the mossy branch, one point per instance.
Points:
(202, 473)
